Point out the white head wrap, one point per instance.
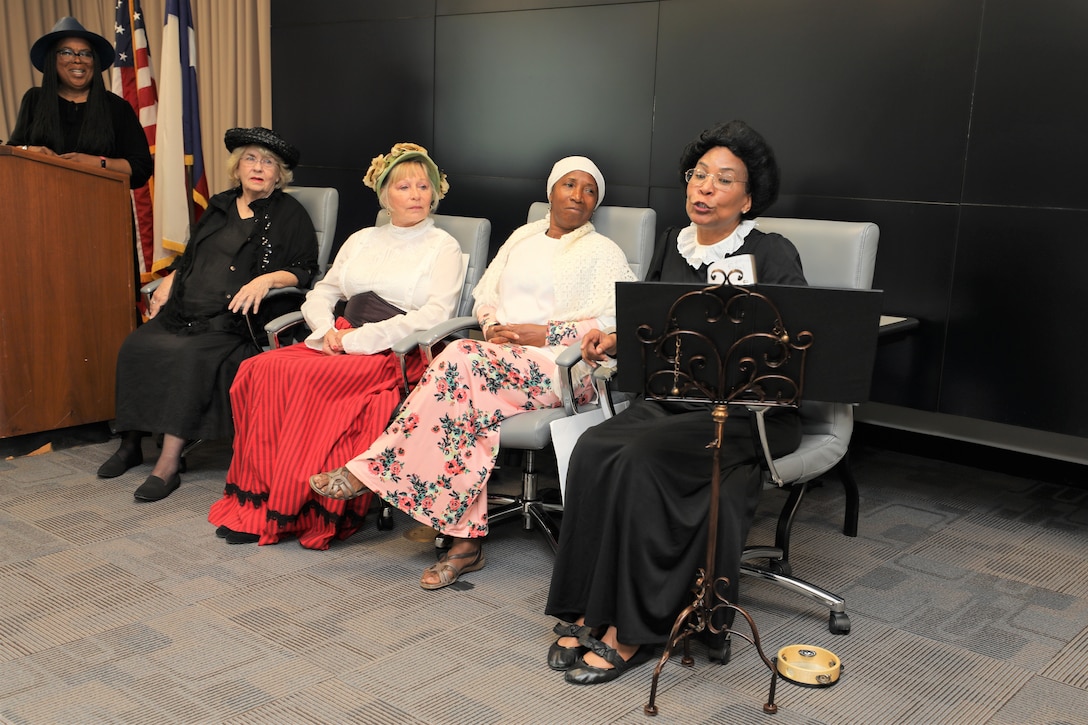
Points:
(577, 163)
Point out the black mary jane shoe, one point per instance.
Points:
(241, 537)
(118, 463)
(236, 537)
(586, 674)
(561, 658)
(156, 489)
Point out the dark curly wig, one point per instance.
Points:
(749, 147)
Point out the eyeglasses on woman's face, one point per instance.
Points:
(698, 177)
(68, 55)
(266, 162)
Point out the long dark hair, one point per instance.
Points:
(96, 133)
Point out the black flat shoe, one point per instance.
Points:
(584, 674)
(222, 531)
(241, 537)
(117, 464)
(156, 489)
(563, 658)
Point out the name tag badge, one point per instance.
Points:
(739, 270)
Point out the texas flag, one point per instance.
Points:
(181, 186)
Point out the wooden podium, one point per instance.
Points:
(67, 299)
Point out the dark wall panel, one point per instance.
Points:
(516, 91)
(454, 7)
(914, 267)
(355, 88)
(1029, 145)
(351, 84)
(1016, 342)
(860, 99)
(296, 13)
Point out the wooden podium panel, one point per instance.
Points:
(67, 297)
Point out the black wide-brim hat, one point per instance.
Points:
(69, 27)
(260, 136)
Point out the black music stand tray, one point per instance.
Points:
(723, 346)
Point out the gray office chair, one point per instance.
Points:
(322, 203)
(833, 254)
(633, 230)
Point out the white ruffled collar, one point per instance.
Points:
(700, 255)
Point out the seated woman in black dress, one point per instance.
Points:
(174, 373)
(635, 510)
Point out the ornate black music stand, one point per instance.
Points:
(723, 346)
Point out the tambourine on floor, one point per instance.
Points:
(808, 665)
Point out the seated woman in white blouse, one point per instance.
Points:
(309, 406)
(552, 282)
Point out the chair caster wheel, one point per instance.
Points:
(722, 654)
(779, 566)
(839, 623)
(385, 520)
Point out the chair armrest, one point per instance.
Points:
(449, 327)
(276, 292)
(429, 338)
(566, 361)
(401, 349)
(569, 357)
(148, 289)
(151, 286)
(602, 381)
(408, 343)
(764, 444)
(274, 327)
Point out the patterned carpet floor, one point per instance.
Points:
(967, 590)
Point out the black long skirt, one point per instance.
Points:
(635, 515)
(178, 383)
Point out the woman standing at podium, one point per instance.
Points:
(72, 115)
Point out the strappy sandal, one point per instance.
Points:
(448, 573)
(338, 484)
(562, 658)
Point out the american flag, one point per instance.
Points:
(181, 189)
(132, 79)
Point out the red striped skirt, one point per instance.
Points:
(298, 412)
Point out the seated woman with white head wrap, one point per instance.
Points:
(550, 283)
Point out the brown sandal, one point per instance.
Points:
(448, 573)
(339, 484)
